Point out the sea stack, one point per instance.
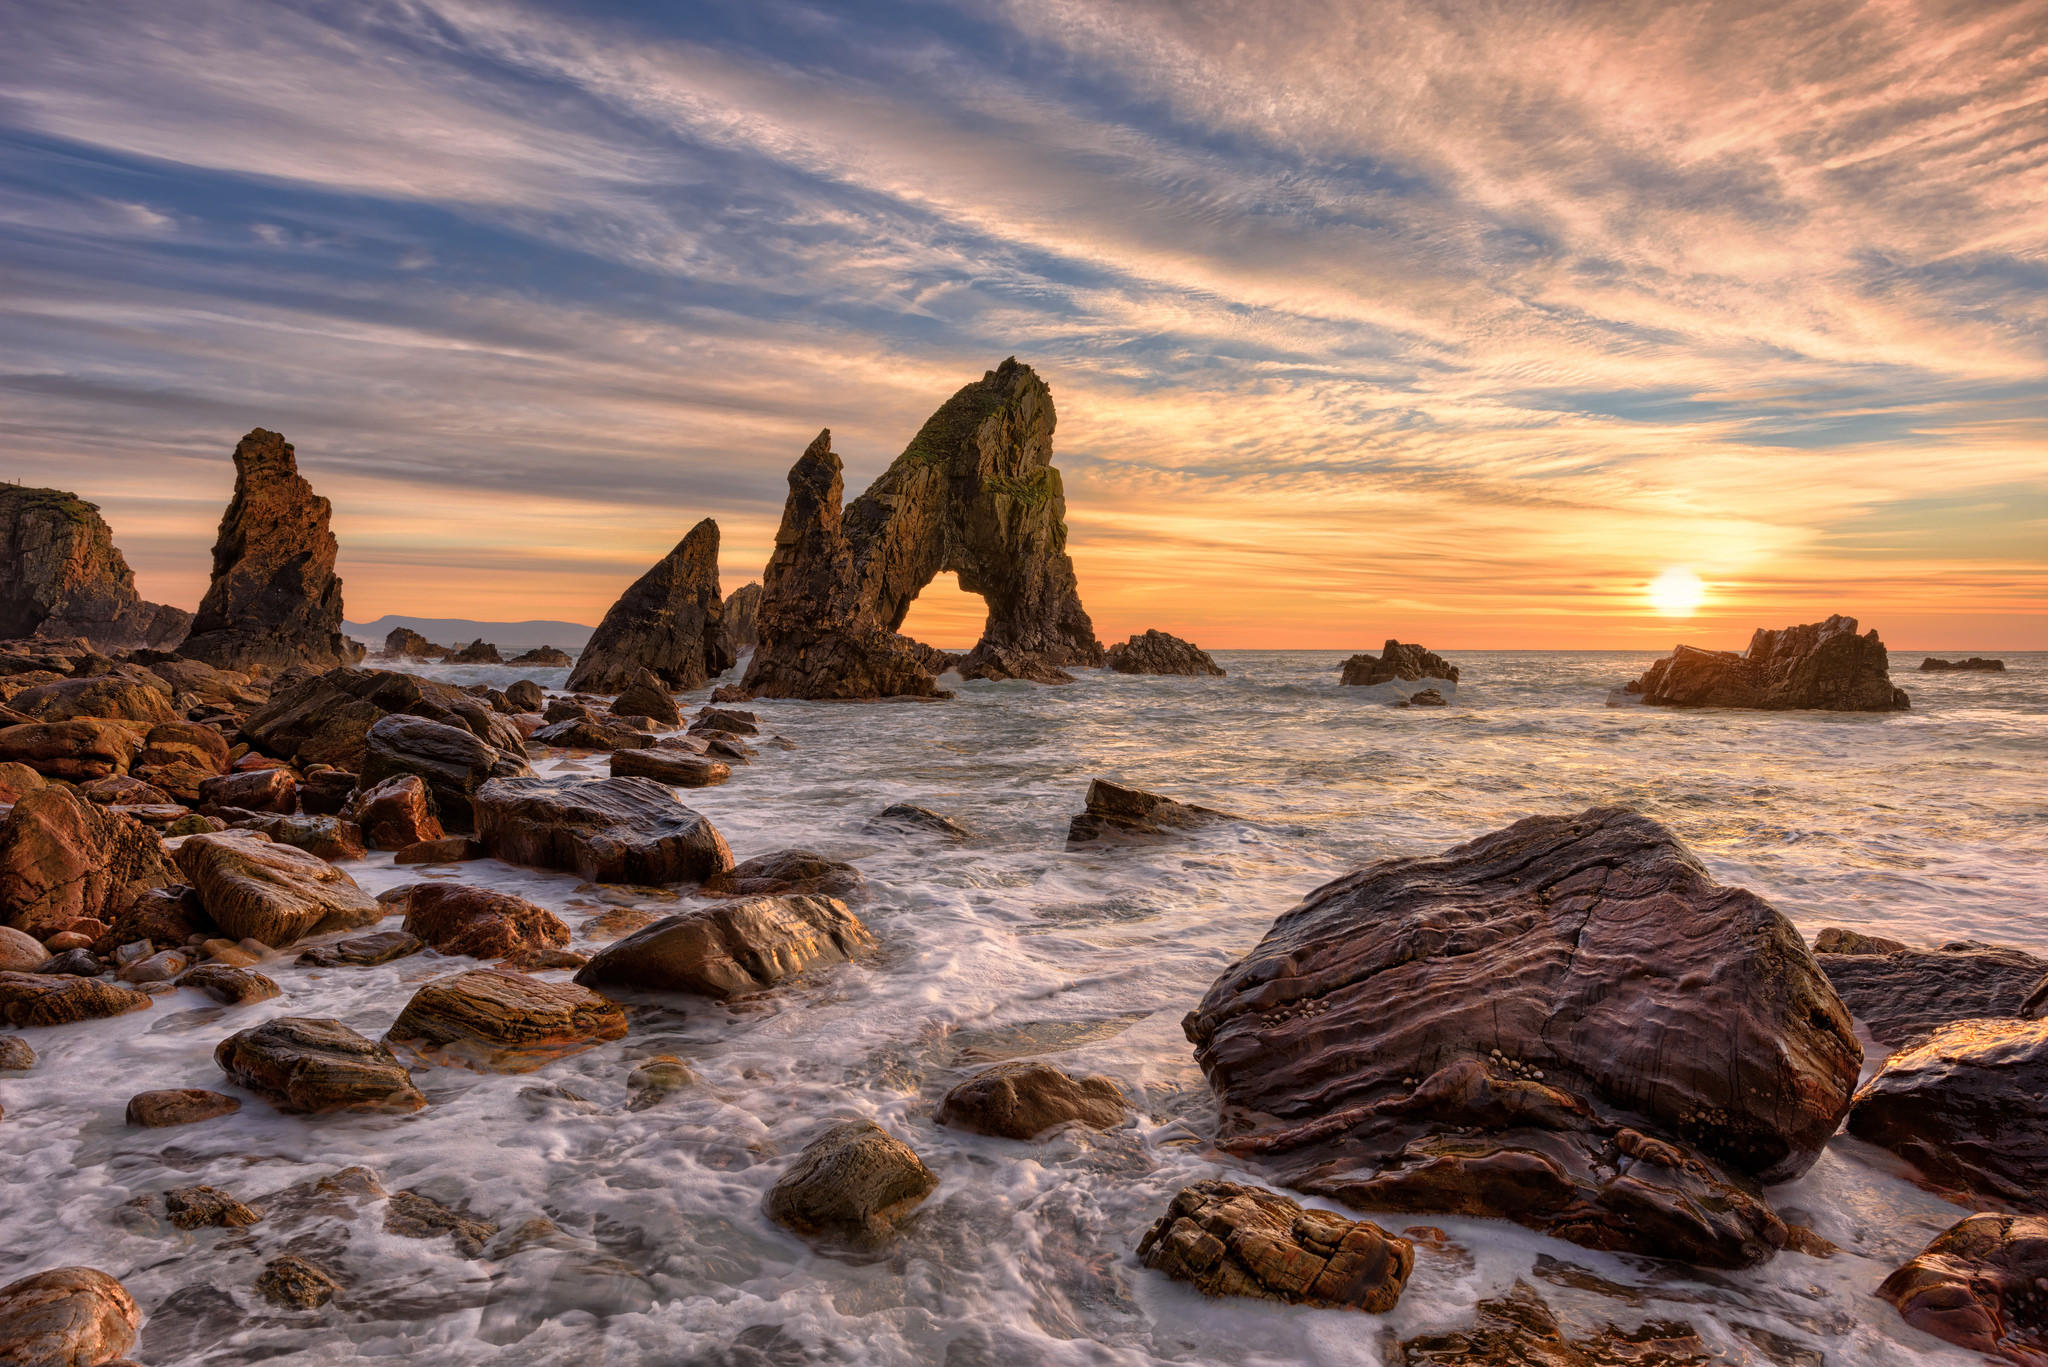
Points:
(670, 622)
(61, 575)
(742, 612)
(275, 601)
(1821, 665)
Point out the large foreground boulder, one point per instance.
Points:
(671, 622)
(257, 889)
(613, 830)
(1822, 665)
(275, 601)
(1903, 994)
(66, 1317)
(1233, 1240)
(1982, 1285)
(1156, 652)
(63, 858)
(311, 1066)
(1114, 812)
(451, 760)
(732, 948)
(1566, 1023)
(499, 1022)
(1396, 662)
(851, 1185)
(62, 576)
(1965, 1106)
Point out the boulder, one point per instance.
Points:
(1427, 697)
(62, 576)
(122, 790)
(228, 985)
(1226, 1239)
(540, 657)
(1823, 665)
(274, 602)
(788, 871)
(63, 858)
(452, 849)
(452, 760)
(1023, 1100)
(669, 622)
(32, 999)
(526, 695)
(259, 790)
(186, 742)
(499, 1022)
(483, 923)
(330, 837)
(642, 694)
(1964, 1105)
(326, 719)
(259, 890)
(17, 778)
(84, 748)
(1114, 812)
(15, 1054)
(853, 1184)
(1519, 1330)
(182, 1106)
(307, 1065)
(411, 1215)
(1976, 664)
(66, 1317)
(1983, 1286)
(20, 952)
(403, 643)
(294, 1283)
(1903, 994)
(613, 830)
(327, 792)
(397, 812)
(730, 949)
(74, 962)
(132, 694)
(1566, 1023)
(1155, 652)
(207, 1208)
(742, 614)
(477, 652)
(727, 720)
(593, 733)
(1407, 663)
(675, 769)
(909, 816)
(168, 915)
(363, 951)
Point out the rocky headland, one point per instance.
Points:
(61, 576)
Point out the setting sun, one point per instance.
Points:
(1677, 592)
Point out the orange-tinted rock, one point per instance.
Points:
(397, 812)
(1156, 652)
(1114, 812)
(614, 830)
(66, 1317)
(228, 985)
(1820, 665)
(1519, 1330)
(1982, 1285)
(28, 999)
(485, 924)
(183, 1106)
(85, 748)
(129, 694)
(185, 742)
(1232, 1240)
(295, 1283)
(670, 767)
(203, 1207)
(851, 1185)
(495, 1021)
(788, 871)
(732, 948)
(276, 894)
(326, 719)
(452, 849)
(17, 778)
(1904, 994)
(331, 838)
(453, 761)
(1024, 1100)
(262, 790)
(309, 1065)
(62, 576)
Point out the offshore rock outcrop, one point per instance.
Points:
(975, 493)
(1156, 652)
(1409, 663)
(671, 622)
(1976, 664)
(1822, 665)
(274, 601)
(62, 576)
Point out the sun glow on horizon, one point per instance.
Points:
(1677, 592)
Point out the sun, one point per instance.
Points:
(1677, 592)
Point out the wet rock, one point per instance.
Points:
(1427, 697)
(729, 721)
(129, 694)
(614, 830)
(17, 778)
(671, 622)
(1566, 1023)
(397, 812)
(477, 652)
(1982, 1285)
(66, 1317)
(910, 816)
(670, 767)
(276, 894)
(31, 999)
(1114, 812)
(494, 1021)
(540, 657)
(403, 643)
(264, 790)
(1519, 1329)
(727, 750)
(1964, 1106)
(274, 601)
(483, 923)
(180, 1106)
(1836, 940)
(853, 1184)
(296, 1284)
(330, 837)
(411, 1215)
(80, 749)
(453, 849)
(643, 694)
(167, 916)
(655, 1080)
(1820, 665)
(63, 858)
(732, 948)
(526, 695)
(15, 1054)
(207, 1208)
(326, 718)
(62, 576)
(75, 962)
(1232, 1240)
(122, 790)
(192, 823)
(453, 762)
(20, 952)
(1976, 664)
(742, 614)
(1903, 994)
(312, 1066)
(788, 871)
(160, 967)
(1407, 663)
(1024, 1100)
(363, 951)
(1156, 652)
(230, 986)
(593, 733)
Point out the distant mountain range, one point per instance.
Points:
(508, 637)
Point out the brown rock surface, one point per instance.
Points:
(15, 1054)
(63, 858)
(1820, 665)
(330, 837)
(1023, 1100)
(403, 643)
(1903, 994)
(477, 652)
(128, 694)
(452, 760)
(671, 622)
(613, 830)
(363, 951)
(540, 657)
(62, 576)
(593, 733)
(308, 1065)
(643, 694)
(1518, 1330)
(20, 952)
(397, 812)
(294, 1283)
(853, 1184)
(31, 999)
(732, 948)
(1982, 1285)
(1407, 663)
(66, 1317)
(257, 889)
(411, 1215)
(1114, 812)
(207, 1208)
(1156, 652)
(452, 849)
(788, 871)
(259, 790)
(79, 749)
(326, 719)
(670, 767)
(1566, 1023)
(742, 614)
(274, 601)
(1227, 1239)
(1976, 664)
(485, 924)
(499, 1022)
(1964, 1105)
(181, 1106)
(228, 985)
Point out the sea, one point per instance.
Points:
(1927, 826)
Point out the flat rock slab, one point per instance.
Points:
(32, 999)
(276, 894)
(673, 767)
(397, 812)
(499, 1022)
(66, 1317)
(1114, 812)
(851, 1185)
(1965, 1106)
(1905, 994)
(1231, 1240)
(363, 951)
(456, 918)
(311, 1065)
(613, 830)
(1024, 1100)
(1982, 1285)
(1566, 1023)
(181, 1106)
(732, 948)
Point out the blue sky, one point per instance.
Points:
(1450, 321)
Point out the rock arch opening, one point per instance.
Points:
(946, 615)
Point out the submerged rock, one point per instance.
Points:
(276, 894)
(1976, 664)
(1407, 663)
(179, 1106)
(63, 859)
(788, 871)
(1902, 994)
(1965, 1106)
(494, 1021)
(66, 1317)
(1114, 812)
(1566, 1023)
(1427, 697)
(614, 830)
(671, 622)
(1982, 1285)
(32, 999)
(207, 1208)
(732, 948)
(1822, 665)
(411, 1215)
(1155, 652)
(452, 761)
(483, 923)
(853, 1184)
(1232, 1240)
(296, 1283)
(308, 1065)
(274, 602)
(911, 817)
(1024, 1100)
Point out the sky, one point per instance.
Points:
(1454, 322)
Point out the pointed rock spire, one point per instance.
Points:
(670, 622)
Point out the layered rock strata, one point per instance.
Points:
(1227, 1239)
